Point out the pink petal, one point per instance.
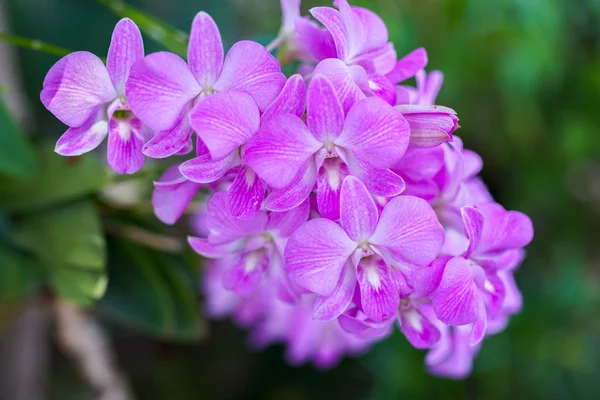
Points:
(408, 66)
(225, 121)
(288, 221)
(318, 41)
(429, 86)
(224, 228)
(315, 255)
(75, 87)
(125, 144)
(329, 307)
(457, 300)
(246, 194)
(296, 192)
(375, 29)
(126, 47)
(170, 141)
(243, 276)
(332, 20)
(473, 221)
(375, 133)
(159, 88)
(329, 186)
(206, 249)
(419, 331)
(378, 294)
(251, 69)
(358, 212)
(379, 182)
(409, 232)
(205, 50)
(325, 117)
(503, 230)
(291, 100)
(280, 149)
(172, 195)
(343, 81)
(381, 87)
(77, 141)
(203, 169)
(426, 279)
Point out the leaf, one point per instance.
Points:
(152, 291)
(172, 38)
(17, 157)
(59, 179)
(69, 243)
(33, 44)
(19, 275)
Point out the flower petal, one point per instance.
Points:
(296, 192)
(251, 69)
(408, 66)
(243, 276)
(172, 194)
(170, 141)
(246, 194)
(318, 41)
(379, 182)
(75, 87)
(159, 88)
(225, 121)
(332, 20)
(280, 149)
(457, 300)
(316, 254)
(343, 81)
(203, 169)
(375, 133)
(473, 221)
(125, 144)
(358, 212)
(206, 249)
(332, 174)
(325, 117)
(503, 230)
(205, 50)
(329, 307)
(126, 47)
(80, 140)
(291, 100)
(378, 295)
(419, 331)
(409, 232)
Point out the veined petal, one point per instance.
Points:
(172, 195)
(409, 232)
(332, 20)
(408, 66)
(125, 144)
(317, 41)
(457, 300)
(375, 133)
(342, 79)
(80, 140)
(296, 192)
(285, 223)
(203, 169)
(329, 307)
(243, 276)
(206, 249)
(379, 182)
(374, 27)
(419, 331)
(381, 87)
(205, 50)
(225, 121)
(473, 221)
(126, 47)
(291, 100)
(358, 212)
(75, 87)
(159, 88)
(280, 149)
(316, 254)
(378, 295)
(251, 69)
(170, 141)
(325, 117)
(246, 194)
(503, 230)
(329, 186)
(224, 228)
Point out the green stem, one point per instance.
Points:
(33, 44)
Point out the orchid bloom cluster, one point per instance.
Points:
(341, 203)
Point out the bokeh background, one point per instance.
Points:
(524, 77)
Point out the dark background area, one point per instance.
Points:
(524, 77)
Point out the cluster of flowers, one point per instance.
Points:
(342, 204)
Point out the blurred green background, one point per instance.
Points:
(524, 77)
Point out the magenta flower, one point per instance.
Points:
(172, 195)
(329, 259)
(89, 97)
(162, 88)
(291, 155)
(430, 126)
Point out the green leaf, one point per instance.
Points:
(152, 291)
(59, 179)
(172, 38)
(17, 157)
(19, 275)
(33, 44)
(69, 243)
